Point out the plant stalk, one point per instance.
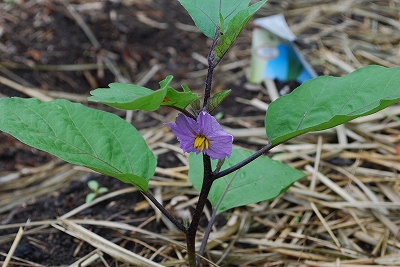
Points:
(212, 63)
(207, 91)
(192, 230)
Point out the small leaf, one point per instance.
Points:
(177, 99)
(185, 88)
(102, 190)
(215, 100)
(90, 197)
(80, 135)
(234, 28)
(325, 102)
(165, 83)
(133, 97)
(196, 106)
(262, 179)
(93, 185)
(221, 23)
(206, 13)
(130, 96)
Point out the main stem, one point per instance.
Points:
(207, 91)
(212, 63)
(191, 231)
(208, 173)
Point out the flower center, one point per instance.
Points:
(201, 142)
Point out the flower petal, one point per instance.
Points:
(220, 141)
(220, 146)
(208, 124)
(187, 144)
(187, 130)
(187, 124)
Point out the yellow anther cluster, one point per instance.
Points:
(201, 142)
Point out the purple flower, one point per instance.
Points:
(202, 135)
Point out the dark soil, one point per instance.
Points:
(44, 33)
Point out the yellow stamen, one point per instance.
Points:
(201, 142)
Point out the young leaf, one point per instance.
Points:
(185, 88)
(93, 185)
(178, 99)
(195, 106)
(80, 135)
(133, 97)
(90, 197)
(325, 102)
(129, 97)
(234, 28)
(215, 100)
(262, 179)
(206, 13)
(102, 190)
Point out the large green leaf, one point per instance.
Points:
(133, 97)
(80, 135)
(262, 179)
(325, 102)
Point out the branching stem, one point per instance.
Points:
(165, 212)
(243, 163)
(185, 112)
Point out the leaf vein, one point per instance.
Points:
(309, 108)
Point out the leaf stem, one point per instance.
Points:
(184, 111)
(165, 212)
(192, 230)
(207, 235)
(243, 162)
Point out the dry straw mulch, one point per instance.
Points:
(345, 213)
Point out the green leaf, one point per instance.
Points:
(221, 23)
(206, 13)
(133, 97)
(93, 185)
(102, 190)
(179, 99)
(325, 102)
(235, 27)
(90, 197)
(195, 106)
(215, 100)
(185, 88)
(80, 135)
(262, 179)
(128, 97)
